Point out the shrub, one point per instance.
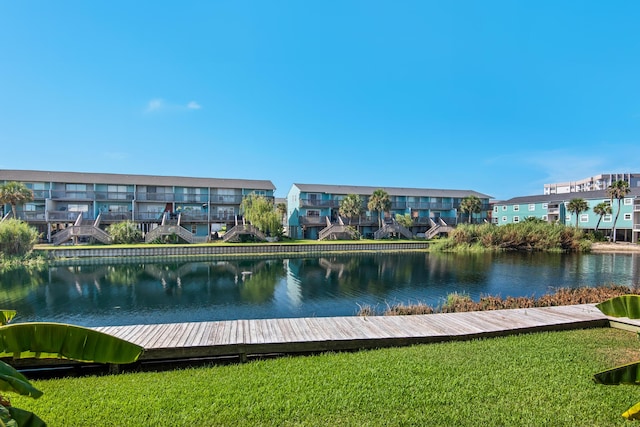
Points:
(125, 232)
(17, 238)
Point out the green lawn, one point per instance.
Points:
(530, 380)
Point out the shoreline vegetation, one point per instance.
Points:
(461, 302)
(530, 235)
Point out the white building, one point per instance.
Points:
(598, 182)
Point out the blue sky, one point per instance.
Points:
(494, 96)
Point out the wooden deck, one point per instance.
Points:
(244, 338)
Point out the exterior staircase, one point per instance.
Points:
(78, 229)
(233, 235)
(392, 227)
(437, 228)
(173, 228)
(336, 231)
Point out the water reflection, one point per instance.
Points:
(164, 292)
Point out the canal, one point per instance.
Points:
(150, 291)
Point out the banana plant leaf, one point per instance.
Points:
(12, 380)
(622, 306)
(25, 418)
(625, 374)
(61, 341)
(6, 316)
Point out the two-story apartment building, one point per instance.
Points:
(311, 207)
(553, 208)
(203, 204)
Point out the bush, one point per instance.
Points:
(17, 238)
(125, 232)
(524, 236)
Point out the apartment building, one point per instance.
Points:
(195, 207)
(553, 208)
(313, 209)
(594, 183)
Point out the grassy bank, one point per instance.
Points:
(460, 302)
(534, 380)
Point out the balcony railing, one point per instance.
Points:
(217, 199)
(155, 197)
(319, 203)
(116, 216)
(32, 215)
(113, 195)
(68, 216)
(72, 195)
(192, 198)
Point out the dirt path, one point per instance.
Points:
(615, 247)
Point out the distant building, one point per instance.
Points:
(553, 208)
(314, 209)
(195, 207)
(594, 183)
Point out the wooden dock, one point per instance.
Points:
(243, 338)
(200, 341)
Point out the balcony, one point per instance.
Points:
(113, 195)
(32, 216)
(68, 216)
(319, 203)
(72, 195)
(192, 198)
(225, 200)
(115, 216)
(155, 197)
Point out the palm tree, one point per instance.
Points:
(577, 206)
(601, 209)
(617, 190)
(15, 193)
(351, 206)
(379, 202)
(471, 204)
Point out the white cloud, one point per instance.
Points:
(158, 104)
(155, 105)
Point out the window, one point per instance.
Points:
(516, 219)
(76, 187)
(607, 218)
(495, 208)
(504, 219)
(313, 212)
(194, 228)
(627, 217)
(516, 208)
(504, 208)
(545, 205)
(532, 207)
(545, 218)
(628, 201)
(584, 218)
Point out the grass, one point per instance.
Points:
(541, 379)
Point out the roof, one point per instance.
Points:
(126, 179)
(392, 191)
(587, 195)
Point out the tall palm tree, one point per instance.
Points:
(471, 204)
(15, 193)
(351, 206)
(379, 202)
(601, 209)
(617, 190)
(577, 206)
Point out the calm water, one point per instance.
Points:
(150, 292)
